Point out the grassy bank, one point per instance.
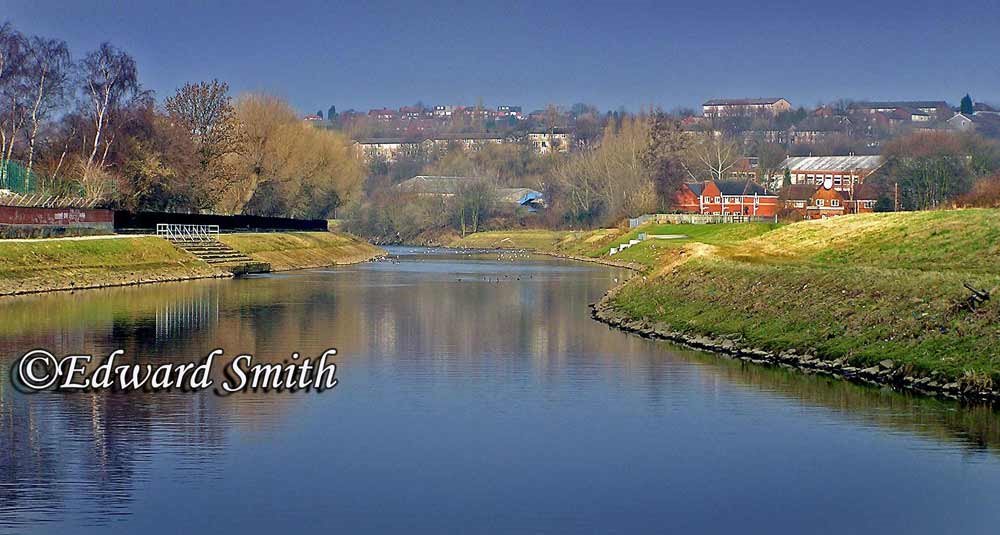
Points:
(301, 250)
(55, 264)
(29, 266)
(597, 243)
(861, 288)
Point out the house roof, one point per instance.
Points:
(741, 101)
(961, 117)
(439, 137)
(902, 104)
(799, 192)
(545, 131)
(740, 187)
(438, 185)
(518, 195)
(387, 140)
(450, 185)
(467, 136)
(822, 124)
(696, 187)
(987, 124)
(832, 163)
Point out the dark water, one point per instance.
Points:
(464, 405)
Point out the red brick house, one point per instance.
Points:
(715, 197)
(820, 202)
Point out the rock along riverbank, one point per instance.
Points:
(885, 373)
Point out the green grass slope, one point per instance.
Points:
(866, 288)
(300, 250)
(38, 265)
(597, 243)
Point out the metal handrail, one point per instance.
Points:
(172, 231)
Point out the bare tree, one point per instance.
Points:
(716, 154)
(12, 93)
(206, 111)
(612, 181)
(47, 69)
(664, 156)
(473, 203)
(108, 78)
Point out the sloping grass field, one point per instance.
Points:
(865, 288)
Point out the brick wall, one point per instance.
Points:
(57, 217)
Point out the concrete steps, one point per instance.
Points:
(216, 253)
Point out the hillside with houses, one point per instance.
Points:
(754, 159)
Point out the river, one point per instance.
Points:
(475, 395)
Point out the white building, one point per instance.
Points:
(546, 141)
(841, 172)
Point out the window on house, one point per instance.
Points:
(834, 202)
(718, 199)
(837, 180)
(819, 202)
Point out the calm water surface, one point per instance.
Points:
(476, 395)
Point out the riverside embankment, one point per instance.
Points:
(32, 266)
(877, 298)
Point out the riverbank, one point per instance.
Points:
(31, 266)
(874, 298)
(44, 265)
(286, 251)
(593, 245)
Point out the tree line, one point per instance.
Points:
(86, 127)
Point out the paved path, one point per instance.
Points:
(97, 237)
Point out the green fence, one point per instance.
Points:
(14, 177)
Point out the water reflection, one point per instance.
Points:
(433, 335)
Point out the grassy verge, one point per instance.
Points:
(597, 243)
(863, 288)
(301, 250)
(33, 266)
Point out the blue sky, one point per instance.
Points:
(633, 54)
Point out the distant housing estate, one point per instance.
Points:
(389, 148)
(741, 107)
(926, 107)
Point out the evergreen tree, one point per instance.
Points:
(331, 113)
(319, 113)
(966, 107)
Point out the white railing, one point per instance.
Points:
(8, 198)
(187, 232)
(699, 219)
